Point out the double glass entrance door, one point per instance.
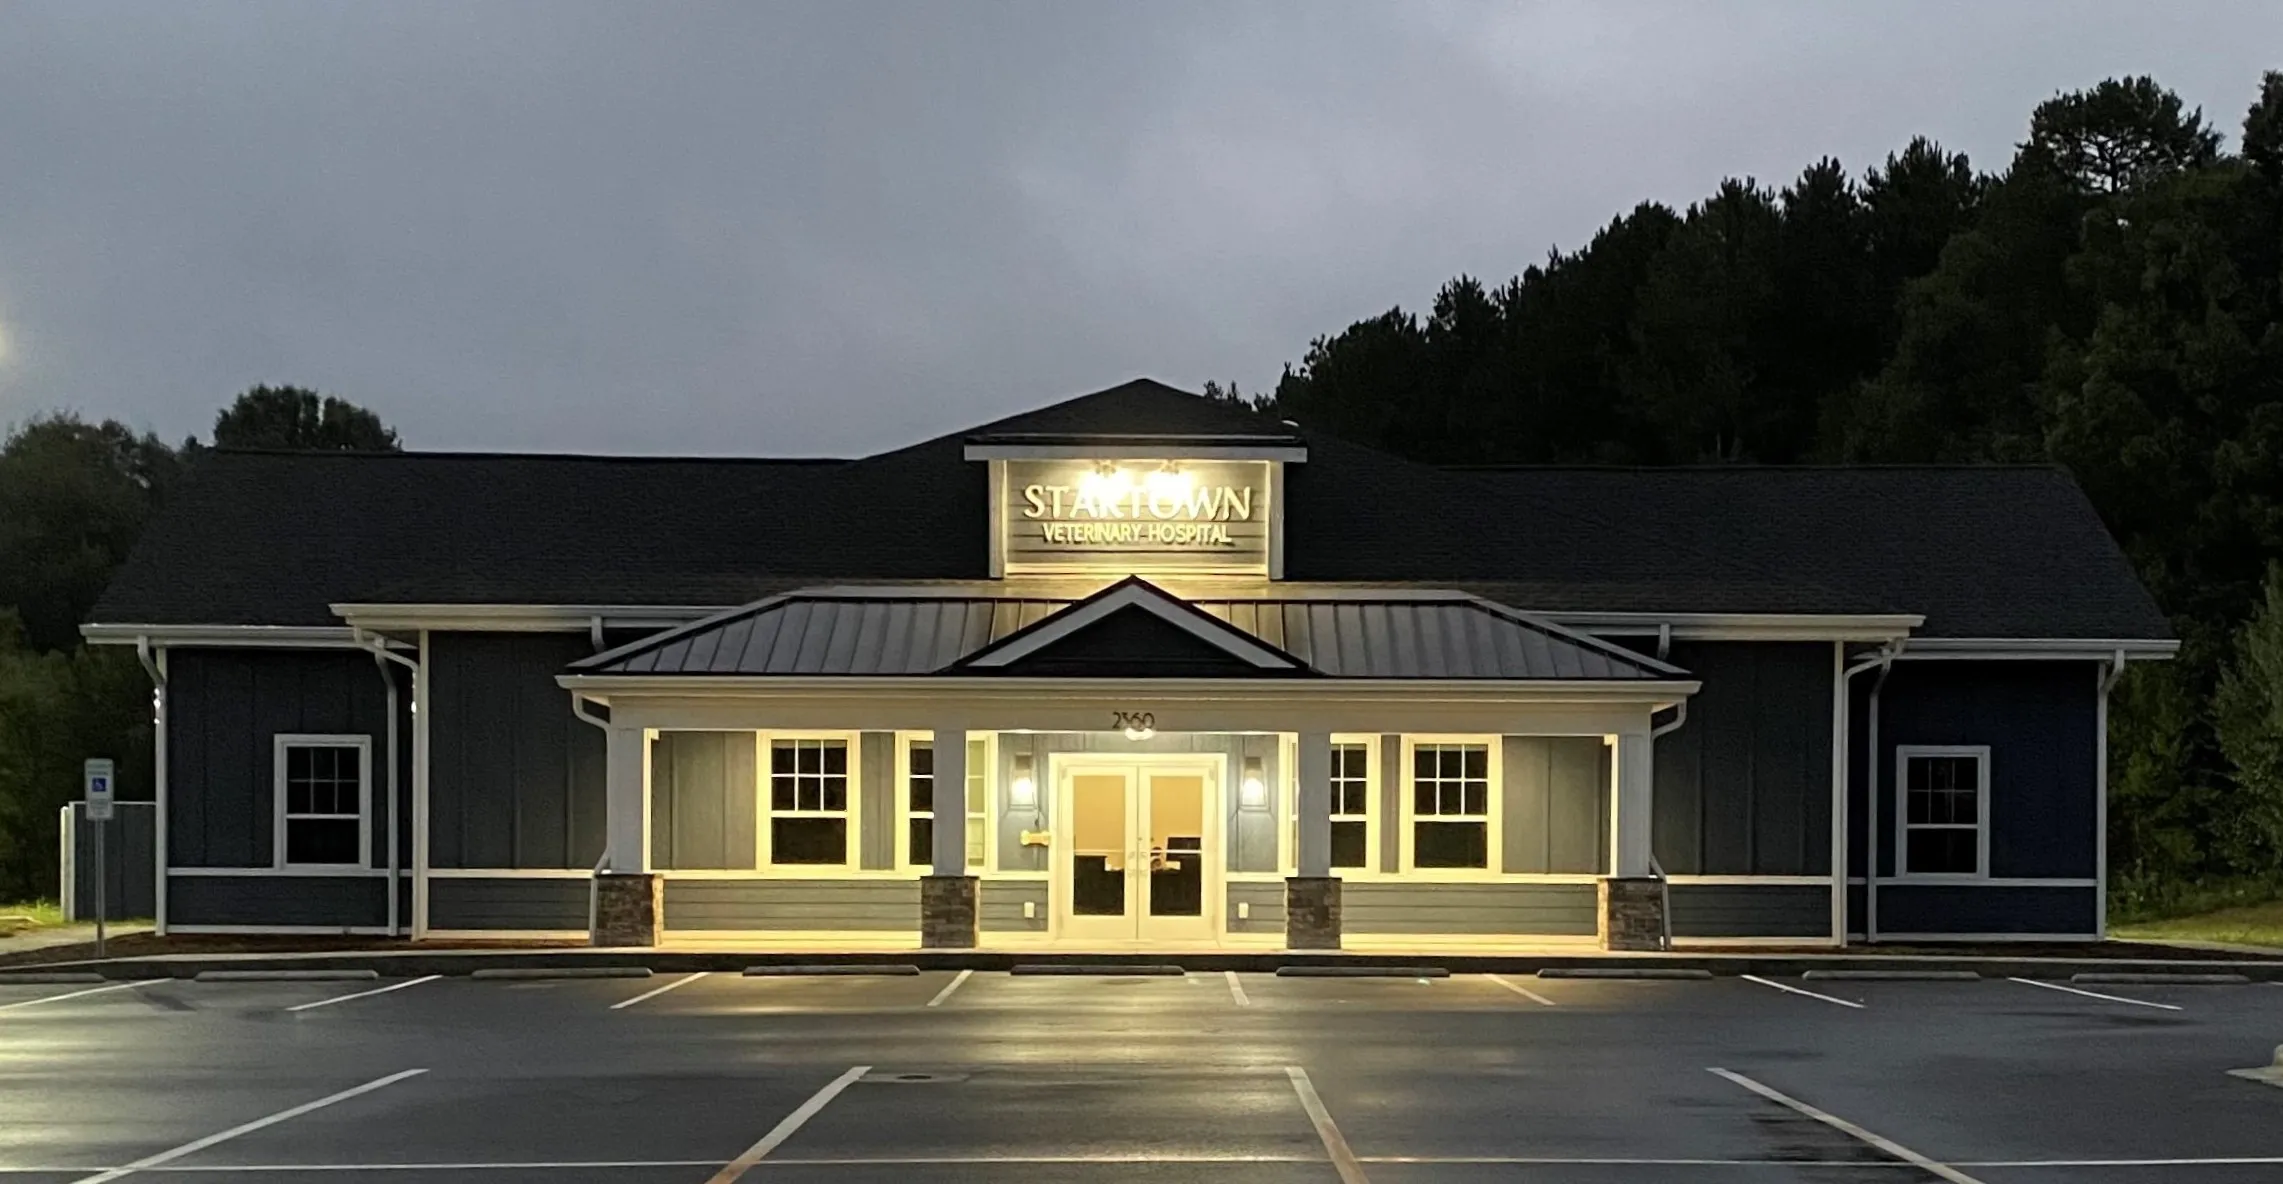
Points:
(1132, 862)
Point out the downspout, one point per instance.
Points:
(154, 665)
(2108, 682)
(1884, 662)
(381, 658)
(594, 900)
(1664, 882)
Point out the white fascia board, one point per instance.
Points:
(1744, 626)
(1136, 449)
(220, 636)
(519, 618)
(2038, 648)
(1659, 693)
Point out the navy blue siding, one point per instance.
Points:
(515, 779)
(2038, 719)
(1744, 787)
(1967, 908)
(334, 902)
(225, 709)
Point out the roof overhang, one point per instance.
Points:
(2045, 649)
(1137, 447)
(299, 637)
(1745, 626)
(518, 618)
(1664, 692)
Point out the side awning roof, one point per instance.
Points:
(1131, 629)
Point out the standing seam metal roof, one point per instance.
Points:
(1446, 636)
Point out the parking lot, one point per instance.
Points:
(949, 1077)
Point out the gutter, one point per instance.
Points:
(2108, 682)
(382, 656)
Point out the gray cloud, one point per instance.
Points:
(838, 227)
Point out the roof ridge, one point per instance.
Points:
(484, 454)
(1900, 466)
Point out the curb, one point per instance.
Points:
(51, 978)
(545, 972)
(829, 969)
(1675, 972)
(2160, 979)
(1893, 976)
(1111, 970)
(284, 976)
(1362, 972)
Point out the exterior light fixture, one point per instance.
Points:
(1023, 791)
(1253, 790)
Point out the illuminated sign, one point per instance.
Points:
(1137, 515)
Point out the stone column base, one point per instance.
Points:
(948, 905)
(1632, 913)
(1312, 913)
(630, 909)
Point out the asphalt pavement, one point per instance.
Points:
(950, 1077)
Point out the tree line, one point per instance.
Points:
(73, 498)
(2110, 301)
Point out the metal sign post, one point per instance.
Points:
(100, 774)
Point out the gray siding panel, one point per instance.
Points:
(1266, 904)
(225, 709)
(1424, 909)
(1252, 830)
(885, 905)
(338, 902)
(516, 780)
(1392, 779)
(875, 829)
(1557, 804)
(456, 902)
(1752, 910)
(1966, 908)
(702, 799)
(1001, 906)
(1744, 787)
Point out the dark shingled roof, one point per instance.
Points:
(264, 538)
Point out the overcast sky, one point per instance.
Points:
(839, 227)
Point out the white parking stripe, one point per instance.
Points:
(1335, 1144)
(74, 994)
(2031, 982)
(1519, 989)
(197, 1145)
(735, 1169)
(1769, 982)
(426, 978)
(1922, 1163)
(654, 992)
(949, 987)
(1237, 990)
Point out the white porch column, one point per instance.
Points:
(626, 794)
(1314, 804)
(950, 854)
(1634, 784)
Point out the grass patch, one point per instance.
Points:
(30, 914)
(2249, 925)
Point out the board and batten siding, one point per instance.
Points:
(1557, 804)
(1743, 788)
(702, 800)
(515, 779)
(225, 710)
(792, 904)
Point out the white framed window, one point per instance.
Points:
(1452, 807)
(1353, 835)
(922, 807)
(1942, 804)
(810, 822)
(324, 801)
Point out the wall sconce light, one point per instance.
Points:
(1252, 792)
(1023, 791)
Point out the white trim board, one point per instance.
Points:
(1149, 598)
(510, 873)
(308, 872)
(352, 930)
